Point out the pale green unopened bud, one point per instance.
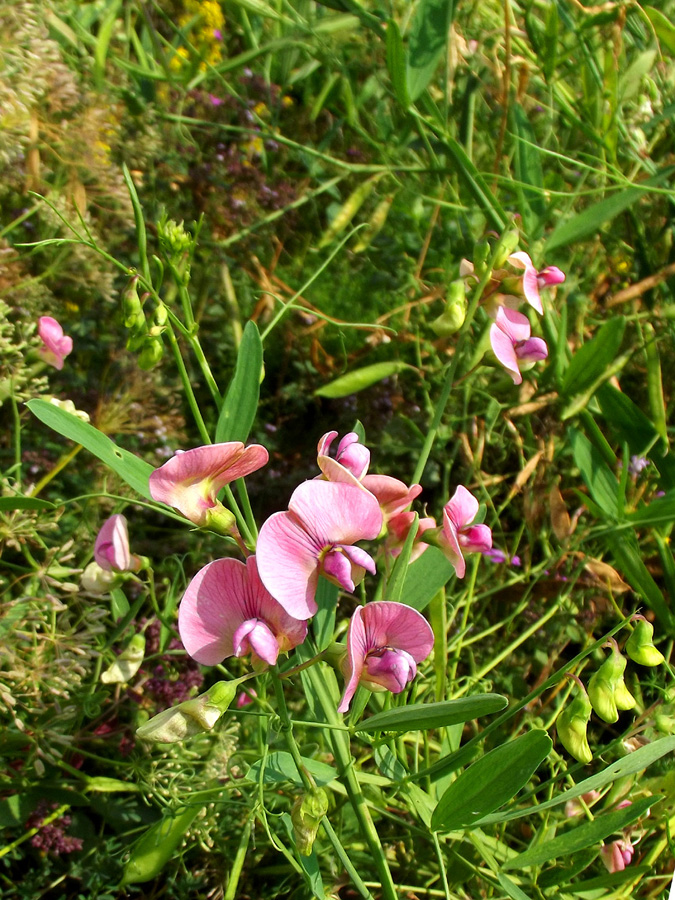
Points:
(219, 519)
(506, 245)
(640, 647)
(132, 308)
(173, 238)
(127, 663)
(159, 319)
(571, 726)
(97, 580)
(306, 816)
(452, 317)
(481, 255)
(607, 690)
(152, 352)
(190, 717)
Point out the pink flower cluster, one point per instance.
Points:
(261, 607)
(511, 335)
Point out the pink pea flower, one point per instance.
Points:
(617, 855)
(458, 533)
(55, 344)
(246, 698)
(352, 458)
(574, 807)
(533, 281)
(315, 536)
(511, 341)
(385, 642)
(111, 548)
(398, 528)
(190, 480)
(226, 611)
(394, 496)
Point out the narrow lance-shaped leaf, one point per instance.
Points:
(424, 716)
(241, 401)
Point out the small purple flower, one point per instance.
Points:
(637, 464)
(495, 555)
(215, 101)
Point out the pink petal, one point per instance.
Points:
(190, 481)
(332, 470)
(391, 669)
(338, 569)
(476, 539)
(532, 350)
(353, 456)
(212, 608)
(56, 344)
(289, 631)
(503, 349)
(513, 323)
(336, 513)
(397, 626)
(358, 557)
(111, 548)
(355, 659)
(288, 563)
(549, 276)
(462, 507)
(323, 447)
(449, 544)
(392, 495)
(530, 283)
(255, 636)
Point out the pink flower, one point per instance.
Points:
(111, 548)
(574, 807)
(533, 281)
(617, 855)
(190, 480)
(245, 698)
(394, 496)
(458, 533)
(55, 344)
(511, 342)
(351, 459)
(385, 642)
(398, 528)
(315, 536)
(226, 611)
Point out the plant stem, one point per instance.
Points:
(61, 464)
(187, 387)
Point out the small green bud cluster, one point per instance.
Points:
(607, 692)
(144, 338)
(174, 240)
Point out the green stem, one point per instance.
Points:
(187, 387)
(241, 521)
(238, 862)
(343, 759)
(246, 505)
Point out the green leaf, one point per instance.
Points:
(360, 379)
(659, 512)
(9, 503)
(154, 849)
(528, 160)
(476, 184)
(628, 558)
(512, 890)
(396, 64)
(626, 420)
(130, 468)
(119, 605)
(594, 357)
(637, 761)
(586, 835)
(664, 28)
(609, 880)
(428, 39)
(424, 716)
(491, 781)
(104, 785)
(241, 401)
(103, 42)
(425, 577)
(599, 478)
(280, 766)
(591, 219)
(323, 623)
(310, 864)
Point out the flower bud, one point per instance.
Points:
(306, 815)
(640, 647)
(151, 353)
(190, 717)
(452, 318)
(132, 309)
(96, 580)
(219, 519)
(571, 726)
(127, 663)
(481, 255)
(606, 688)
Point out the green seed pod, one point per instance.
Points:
(155, 848)
(151, 353)
(571, 726)
(452, 317)
(640, 647)
(160, 317)
(127, 663)
(348, 210)
(375, 224)
(306, 815)
(606, 688)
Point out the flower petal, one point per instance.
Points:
(288, 562)
(336, 513)
(532, 350)
(212, 608)
(448, 542)
(392, 495)
(462, 507)
(355, 659)
(56, 345)
(289, 631)
(503, 349)
(111, 548)
(530, 283)
(255, 636)
(397, 626)
(476, 539)
(338, 569)
(392, 670)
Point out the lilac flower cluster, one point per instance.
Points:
(51, 838)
